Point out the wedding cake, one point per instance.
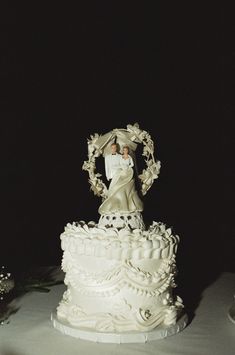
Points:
(119, 274)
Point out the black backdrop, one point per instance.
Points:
(70, 71)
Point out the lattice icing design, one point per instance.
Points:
(119, 220)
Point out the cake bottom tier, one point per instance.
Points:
(120, 296)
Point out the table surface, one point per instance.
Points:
(30, 331)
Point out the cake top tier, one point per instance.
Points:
(89, 239)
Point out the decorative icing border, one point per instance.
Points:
(88, 239)
(108, 282)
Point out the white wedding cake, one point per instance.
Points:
(119, 274)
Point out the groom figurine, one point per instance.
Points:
(112, 162)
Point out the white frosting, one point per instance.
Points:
(119, 279)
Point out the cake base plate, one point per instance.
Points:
(126, 337)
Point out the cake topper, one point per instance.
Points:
(119, 167)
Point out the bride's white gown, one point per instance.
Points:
(122, 195)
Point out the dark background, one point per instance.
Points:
(67, 72)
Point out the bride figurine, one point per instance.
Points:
(122, 195)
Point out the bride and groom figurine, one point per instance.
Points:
(122, 195)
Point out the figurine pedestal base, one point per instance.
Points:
(125, 337)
